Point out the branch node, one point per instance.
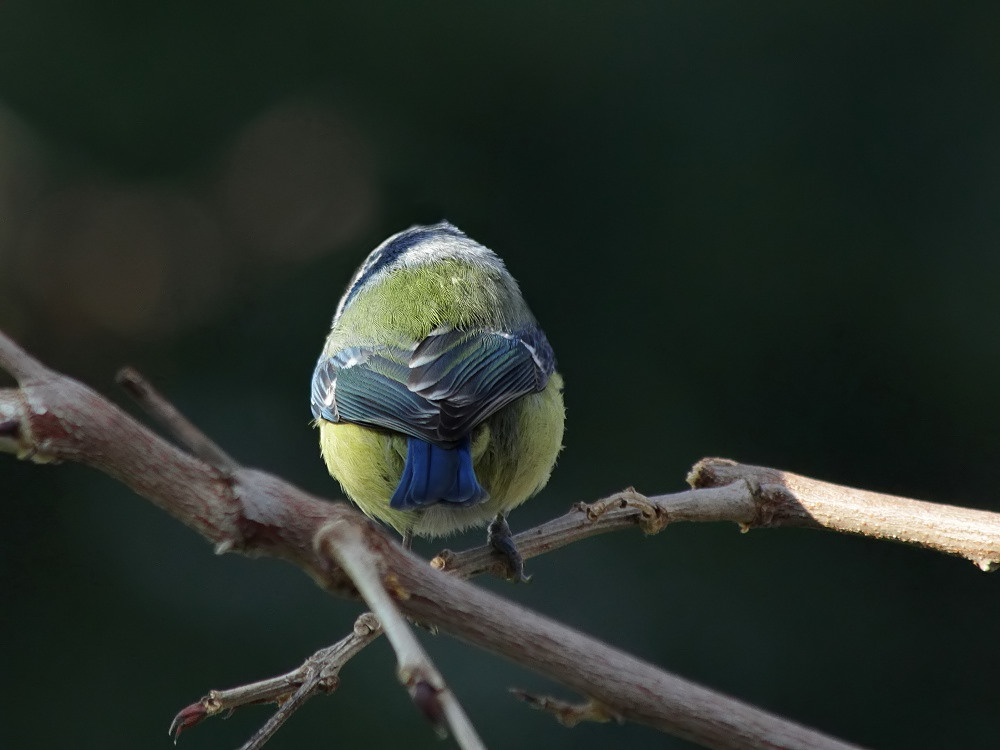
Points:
(226, 545)
(598, 508)
(762, 506)
(566, 713)
(652, 519)
(366, 624)
(443, 559)
(770, 501)
(425, 698)
(394, 587)
(26, 430)
(986, 564)
(773, 502)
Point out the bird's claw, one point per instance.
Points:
(500, 539)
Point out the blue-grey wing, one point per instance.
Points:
(437, 391)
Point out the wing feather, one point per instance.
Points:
(437, 391)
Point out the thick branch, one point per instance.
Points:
(52, 417)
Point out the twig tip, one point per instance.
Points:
(186, 718)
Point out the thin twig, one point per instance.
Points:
(416, 671)
(320, 673)
(179, 426)
(622, 510)
(292, 704)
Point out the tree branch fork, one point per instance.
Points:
(51, 417)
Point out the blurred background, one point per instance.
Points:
(762, 231)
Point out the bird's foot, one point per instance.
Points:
(499, 538)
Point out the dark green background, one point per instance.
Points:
(764, 231)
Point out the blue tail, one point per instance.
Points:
(433, 474)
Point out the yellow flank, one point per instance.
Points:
(368, 463)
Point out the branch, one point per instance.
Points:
(752, 497)
(54, 418)
(756, 497)
(626, 686)
(346, 543)
(51, 417)
(167, 414)
(319, 674)
(780, 498)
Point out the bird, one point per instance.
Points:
(436, 393)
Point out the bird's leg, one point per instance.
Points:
(499, 538)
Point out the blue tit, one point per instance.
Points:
(436, 394)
